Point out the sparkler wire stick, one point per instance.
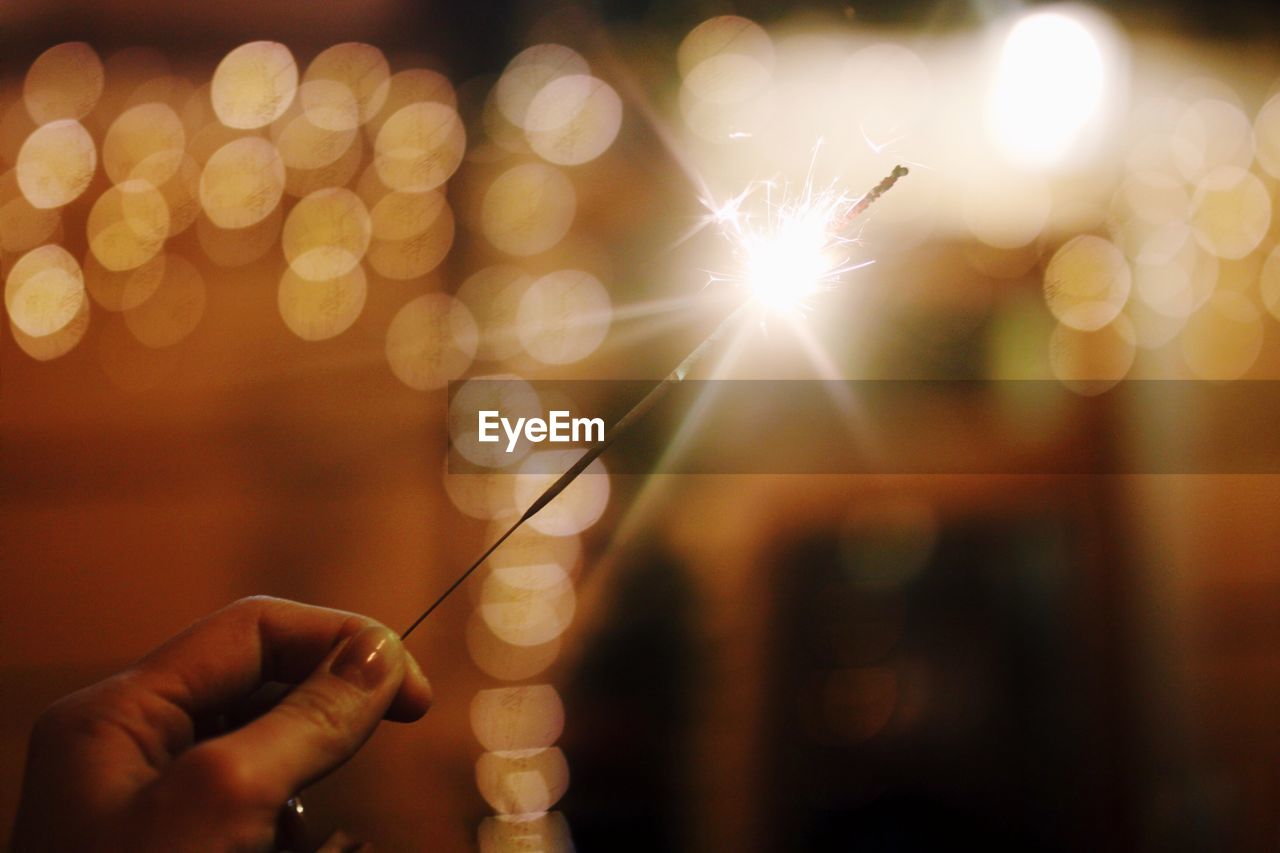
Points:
(639, 410)
(635, 413)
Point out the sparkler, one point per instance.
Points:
(793, 255)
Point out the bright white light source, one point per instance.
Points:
(1049, 87)
(786, 267)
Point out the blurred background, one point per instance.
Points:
(247, 246)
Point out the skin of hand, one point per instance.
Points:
(120, 765)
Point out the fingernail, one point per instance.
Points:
(364, 661)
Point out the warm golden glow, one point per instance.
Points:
(146, 141)
(528, 209)
(502, 660)
(254, 84)
(239, 246)
(120, 290)
(128, 225)
(412, 233)
(56, 163)
(1230, 212)
(1224, 338)
(1050, 84)
(530, 71)
(431, 340)
(545, 833)
(420, 147)
(64, 82)
(326, 234)
(505, 393)
(578, 507)
(318, 309)
(44, 291)
(522, 782)
(527, 605)
(485, 495)
(1093, 360)
(493, 295)
(174, 310)
(242, 182)
(1087, 282)
(563, 316)
(354, 81)
(23, 227)
(529, 716)
(57, 344)
(573, 119)
(305, 145)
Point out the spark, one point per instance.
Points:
(787, 251)
(879, 147)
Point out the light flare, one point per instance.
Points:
(790, 250)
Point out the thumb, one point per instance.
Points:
(322, 722)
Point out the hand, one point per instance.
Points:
(120, 765)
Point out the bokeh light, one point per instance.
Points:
(44, 291)
(1050, 84)
(57, 344)
(306, 145)
(1267, 136)
(412, 86)
(505, 393)
(147, 141)
(493, 295)
(1209, 135)
(65, 82)
(119, 290)
(254, 84)
(128, 225)
(420, 147)
(518, 782)
(563, 316)
(529, 546)
(242, 182)
(431, 341)
(345, 86)
(1087, 282)
(1222, 340)
(1269, 282)
(56, 163)
(1231, 212)
(573, 119)
(1089, 361)
(174, 310)
(529, 72)
(1178, 285)
(316, 309)
(548, 833)
(484, 495)
(22, 226)
(528, 716)
(507, 661)
(527, 605)
(234, 247)
(528, 209)
(326, 234)
(578, 507)
(412, 232)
